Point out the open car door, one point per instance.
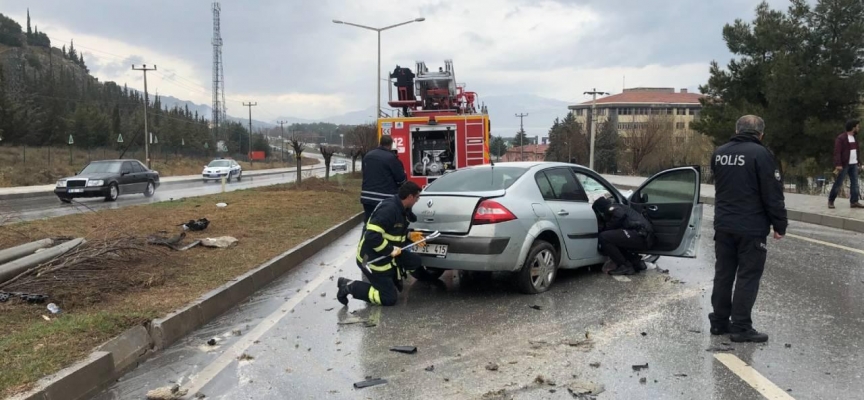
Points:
(670, 200)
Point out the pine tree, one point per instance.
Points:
(606, 148)
(29, 31)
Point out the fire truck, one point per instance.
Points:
(439, 126)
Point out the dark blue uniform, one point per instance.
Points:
(386, 229)
(749, 200)
(382, 175)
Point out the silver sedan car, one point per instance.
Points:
(532, 218)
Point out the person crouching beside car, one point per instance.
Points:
(625, 232)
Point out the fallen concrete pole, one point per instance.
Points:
(14, 253)
(16, 267)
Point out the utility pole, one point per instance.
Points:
(146, 103)
(250, 105)
(594, 93)
(521, 136)
(282, 137)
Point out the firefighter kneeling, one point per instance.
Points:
(386, 233)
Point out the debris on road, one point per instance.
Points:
(720, 348)
(643, 380)
(788, 345)
(644, 334)
(245, 357)
(661, 270)
(404, 349)
(220, 242)
(329, 309)
(220, 205)
(53, 308)
(369, 382)
(681, 375)
(236, 332)
(640, 367)
(430, 368)
(212, 342)
(694, 331)
(199, 225)
(166, 393)
(581, 388)
(595, 365)
(539, 380)
(583, 345)
(492, 366)
(537, 307)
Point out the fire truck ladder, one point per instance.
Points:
(474, 142)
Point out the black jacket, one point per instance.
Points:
(619, 216)
(382, 175)
(749, 190)
(387, 228)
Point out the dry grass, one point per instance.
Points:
(20, 166)
(32, 347)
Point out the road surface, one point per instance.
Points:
(49, 206)
(811, 303)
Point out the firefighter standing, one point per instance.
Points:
(386, 232)
(625, 232)
(749, 200)
(382, 175)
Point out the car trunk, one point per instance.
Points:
(448, 212)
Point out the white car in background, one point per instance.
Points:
(222, 167)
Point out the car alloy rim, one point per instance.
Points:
(113, 191)
(149, 188)
(542, 269)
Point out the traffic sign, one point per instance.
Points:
(70, 139)
(119, 138)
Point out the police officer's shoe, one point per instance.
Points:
(640, 266)
(750, 335)
(719, 327)
(623, 270)
(344, 291)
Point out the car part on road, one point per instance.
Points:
(427, 274)
(539, 270)
(369, 382)
(113, 192)
(404, 349)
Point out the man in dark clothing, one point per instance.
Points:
(383, 173)
(625, 233)
(386, 233)
(846, 163)
(749, 201)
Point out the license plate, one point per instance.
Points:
(437, 250)
(76, 190)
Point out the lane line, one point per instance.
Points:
(230, 355)
(816, 241)
(753, 378)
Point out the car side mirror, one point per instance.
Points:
(124, 173)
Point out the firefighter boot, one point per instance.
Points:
(344, 290)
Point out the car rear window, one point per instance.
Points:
(476, 180)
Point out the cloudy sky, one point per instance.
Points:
(289, 57)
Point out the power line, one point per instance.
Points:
(521, 136)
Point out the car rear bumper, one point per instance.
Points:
(471, 253)
(65, 193)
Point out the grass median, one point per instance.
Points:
(140, 281)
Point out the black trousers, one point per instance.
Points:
(381, 289)
(740, 262)
(367, 211)
(622, 246)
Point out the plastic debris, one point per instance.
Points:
(404, 349)
(199, 225)
(220, 242)
(166, 393)
(430, 368)
(53, 308)
(369, 382)
(640, 367)
(220, 205)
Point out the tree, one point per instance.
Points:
(606, 148)
(326, 152)
(521, 139)
(10, 32)
(497, 147)
(644, 138)
(298, 143)
(801, 71)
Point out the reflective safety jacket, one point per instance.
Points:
(386, 229)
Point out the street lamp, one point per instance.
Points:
(379, 30)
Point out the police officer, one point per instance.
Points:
(625, 232)
(749, 200)
(382, 175)
(386, 232)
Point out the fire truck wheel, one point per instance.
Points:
(427, 274)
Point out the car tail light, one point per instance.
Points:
(491, 212)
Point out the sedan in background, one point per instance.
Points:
(222, 168)
(532, 218)
(339, 165)
(108, 179)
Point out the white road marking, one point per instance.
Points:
(214, 368)
(806, 239)
(753, 378)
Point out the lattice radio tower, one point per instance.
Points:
(219, 109)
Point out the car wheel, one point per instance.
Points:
(539, 270)
(65, 200)
(113, 192)
(150, 190)
(240, 175)
(427, 274)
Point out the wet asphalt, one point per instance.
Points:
(588, 329)
(43, 207)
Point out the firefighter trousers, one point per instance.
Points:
(382, 287)
(740, 263)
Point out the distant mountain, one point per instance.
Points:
(207, 112)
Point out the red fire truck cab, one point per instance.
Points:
(437, 127)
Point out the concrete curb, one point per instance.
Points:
(800, 216)
(30, 195)
(123, 353)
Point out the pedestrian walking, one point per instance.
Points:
(383, 173)
(749, 201)
(846, 163)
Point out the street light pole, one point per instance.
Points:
(379, 30)
(594, 93)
